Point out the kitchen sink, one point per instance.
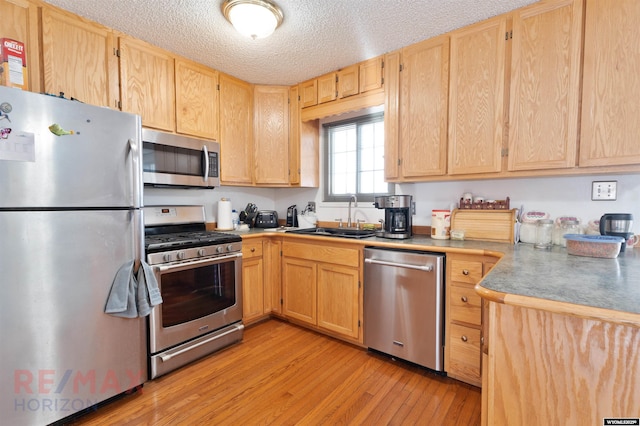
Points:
(336, 232)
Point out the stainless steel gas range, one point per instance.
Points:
(199, 274)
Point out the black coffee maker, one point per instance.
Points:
(617, 225)
(292, 216)
(397, 216)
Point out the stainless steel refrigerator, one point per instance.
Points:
(70, 218)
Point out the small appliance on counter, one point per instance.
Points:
(617, 225)
(397, 216)
(292, 216)
(266, 219)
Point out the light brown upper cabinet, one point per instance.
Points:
(545, 84)
(304, 143)
(327, 90)
(147, 83)
(611, 84)
(78, 58)
(371, 74)
(348, 81)
(308, 92)
(271, 134)
(196, 99)
(236, 131)
(477, 97)
(423, 83)
(20, 23)
(294, 136)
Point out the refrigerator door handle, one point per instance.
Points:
(138, 237)
(136, 171)
(205, 172)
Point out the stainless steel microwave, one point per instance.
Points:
(181, 161)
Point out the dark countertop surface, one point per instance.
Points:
(612, 284)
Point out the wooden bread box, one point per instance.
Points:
(485, 225)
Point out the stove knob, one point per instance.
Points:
(180, 255)
(229, 247)
(201, 252)
(167, 257)
(219, 249)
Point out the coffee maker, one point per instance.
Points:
(617, 225)
(397, 216)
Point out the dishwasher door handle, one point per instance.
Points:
(426, 268)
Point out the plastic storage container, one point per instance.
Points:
(594, 245)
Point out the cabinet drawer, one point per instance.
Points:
(251, 249)
(466, 305)
(464, 359)
(322, 253)
(466, 271)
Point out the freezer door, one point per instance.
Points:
(60, 352)
(98, 165)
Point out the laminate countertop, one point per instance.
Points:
(545, 279)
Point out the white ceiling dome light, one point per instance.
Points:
(253, 18)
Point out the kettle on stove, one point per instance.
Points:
(292, 216)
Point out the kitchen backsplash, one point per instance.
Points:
(558, 196)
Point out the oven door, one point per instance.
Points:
(198, 296)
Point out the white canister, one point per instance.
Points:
(440, 224)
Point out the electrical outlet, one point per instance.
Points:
(604, 190)
(311, 206)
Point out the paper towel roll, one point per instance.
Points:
(225, 222)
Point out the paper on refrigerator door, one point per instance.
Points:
(17, 146)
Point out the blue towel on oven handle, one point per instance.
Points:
(133, 295)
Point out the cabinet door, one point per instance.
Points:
(371, 74)
(611, 84)
(20, 23)
(476, 98)
(78, 59)
(348, 81)
(273, 276)
(392, 116)
(271, 130)
(327, 90)
(545, 85)
(294, 136)
(309, 93)
(424, 86)
(252, 289)
(236, 131)
(196, 100)
(338, 299)
(299, 289)
(147, 83)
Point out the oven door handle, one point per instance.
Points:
(201, 262)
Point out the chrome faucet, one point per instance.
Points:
(355, 204)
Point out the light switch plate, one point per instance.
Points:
(604, 190)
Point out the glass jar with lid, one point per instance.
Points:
(544, 234)
(568, 227)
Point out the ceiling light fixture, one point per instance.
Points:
(253, 18)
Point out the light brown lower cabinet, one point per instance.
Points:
(321, 287)
(463, 334)
(253, 295)
(544, 367)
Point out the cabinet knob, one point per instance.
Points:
(253, 249)
(465, 272)
(464, 299)
(464, 338)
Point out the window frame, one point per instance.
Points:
(326, 128)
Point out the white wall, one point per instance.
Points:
(559, 196)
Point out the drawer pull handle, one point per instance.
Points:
(253, 249)
(464, 299)
(465, 272)
(464, 338)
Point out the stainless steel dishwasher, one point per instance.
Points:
(404, 305)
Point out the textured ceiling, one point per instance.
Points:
(316, 36)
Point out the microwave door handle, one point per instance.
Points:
(205, 172)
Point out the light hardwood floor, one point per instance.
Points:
(282, 374)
